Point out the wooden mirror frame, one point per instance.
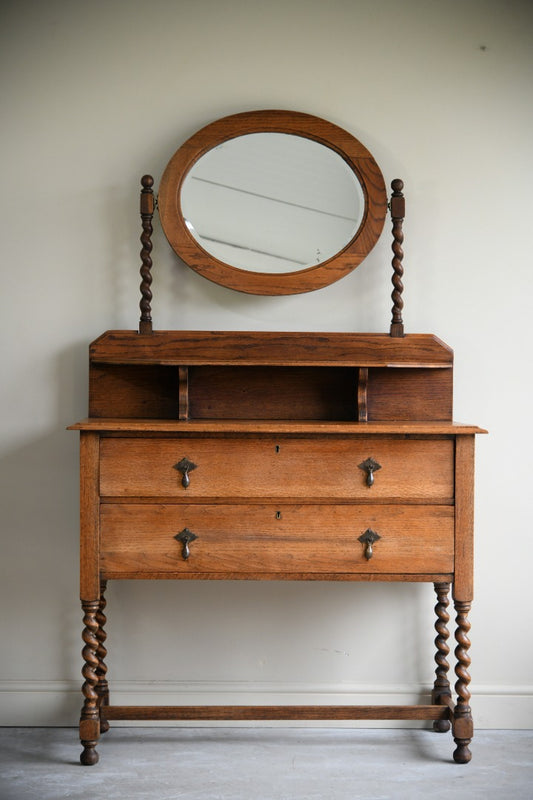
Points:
(355, 154)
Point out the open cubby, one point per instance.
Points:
(335, 377)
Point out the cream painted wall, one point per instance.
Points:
(94, 95)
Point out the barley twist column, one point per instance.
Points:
(397, 208)
(147, 213)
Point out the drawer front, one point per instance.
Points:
(139, 539)
(292, 468)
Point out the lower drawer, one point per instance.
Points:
(138, 539)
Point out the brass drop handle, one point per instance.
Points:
(368, 538)
(185, 466)
(369, 465)
(185, 537)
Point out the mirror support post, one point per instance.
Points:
(147, 213)
(397, 209)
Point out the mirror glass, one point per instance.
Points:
(272, 202)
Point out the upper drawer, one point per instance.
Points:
(298, 468)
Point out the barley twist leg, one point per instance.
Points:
(463, 727)
(441, 687)
(102, 688)
(89, 720)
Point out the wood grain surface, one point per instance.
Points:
(275, 538)
(273, 467)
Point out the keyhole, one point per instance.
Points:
(278, 514)
(278, 448)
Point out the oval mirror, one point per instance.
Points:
(272, 202)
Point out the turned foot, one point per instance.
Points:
(89, 756)
(462, 754)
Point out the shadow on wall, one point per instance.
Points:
(288, 633)
(39, 489)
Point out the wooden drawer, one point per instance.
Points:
(292, 468)
(139, 539)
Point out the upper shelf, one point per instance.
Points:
(250, 348)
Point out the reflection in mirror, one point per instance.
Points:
(272, 202)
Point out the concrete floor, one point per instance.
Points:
(264, 764)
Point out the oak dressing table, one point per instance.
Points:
(275, 456)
